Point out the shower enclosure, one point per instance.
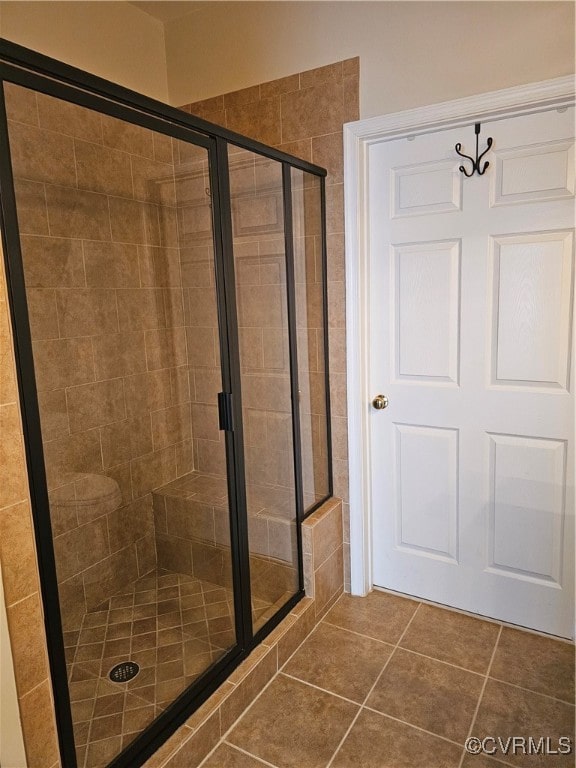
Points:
(168, 295)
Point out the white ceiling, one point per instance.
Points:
(168, 10)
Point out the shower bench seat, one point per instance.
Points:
(192, 531)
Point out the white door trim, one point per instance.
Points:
(357, 138)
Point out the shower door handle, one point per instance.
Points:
(225, 412)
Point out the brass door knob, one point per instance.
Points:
(380, 402)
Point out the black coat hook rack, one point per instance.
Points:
(475, 163)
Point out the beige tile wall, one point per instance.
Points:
(97, 213)
(303, 114)
(307, 221)
(19, 566)
(193, 196)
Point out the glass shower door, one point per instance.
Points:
(116, 235)
(257, 200)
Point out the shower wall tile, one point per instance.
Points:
(174, 299)
(163, 150)
(130, 138)
(19, 564)
(52, 404)
(210, 457)
(81, 547)
(280, 86)
(147, 391)
(8, 388)
(153, 181)
(125, 525)
(146, 554)
(31, 205)
(102, 579)
(70, 119)
(36, 709)
(168, 227)
(110, 265)
(159, 267)
(119, 355)
(205, 421)
(321, 75)
(165, 348)
(243, 96)
(259, 119)
(53, 262)
(313, 111)
(201, 310)
(21, 104)
(17, 553)
(201, 343)
(351, 98)
(42, 313)
(77, 214)
(100, 169)
(328, 151)
(206, 384)
(140, 309)
(171, 425)
(86, 312)
(152, 471)
(77, 453)
(133, 221)
(94, 405)
(267, 392)
(40, 155)
(309, 109)
(13, 487)
(125, 440)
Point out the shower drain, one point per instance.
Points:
(123, 672)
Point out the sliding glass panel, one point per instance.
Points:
(259, 254)
(310, 321)
(116, 236)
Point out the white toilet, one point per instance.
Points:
(88, 496)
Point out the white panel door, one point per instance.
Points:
(471, 312)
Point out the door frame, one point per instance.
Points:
(358, 137)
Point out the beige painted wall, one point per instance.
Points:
(411, 53)
(112, 39)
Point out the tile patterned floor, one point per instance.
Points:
(174, 626)
(388, 682)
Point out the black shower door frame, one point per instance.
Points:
(42, 74)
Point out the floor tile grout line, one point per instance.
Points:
(319, 688)
(245, 752)
(409, 650)
(357, 715)
(441, 661)
(478, 616)
(532, 690)
(479, 702)
(224, 736)
(412, 725)
(353, 632)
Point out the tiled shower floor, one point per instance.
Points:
(174, 626)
